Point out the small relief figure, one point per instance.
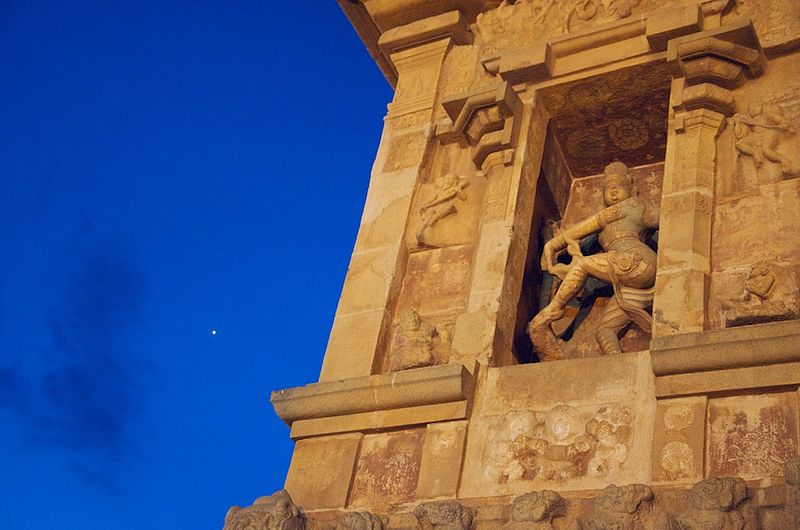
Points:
(276, 512)
(628, 264)
(758, 134)
(414, 341)
(714, 505)
(449, 188)
(625, 508)
(536, 511)
(770, 294)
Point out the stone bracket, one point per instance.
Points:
(726, 56)
(451, 24)
(486, 120)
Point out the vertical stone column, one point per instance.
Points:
(511, 158)
(685, 233)
(706, 67)
(378, 262)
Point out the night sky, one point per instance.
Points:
(181, 188)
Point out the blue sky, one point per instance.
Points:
(169, 168)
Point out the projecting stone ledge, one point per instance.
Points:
(746, 346)
(410, 397)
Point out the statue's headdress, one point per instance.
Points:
(617, 173)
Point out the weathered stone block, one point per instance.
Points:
(752, 436)
(388, 469)
(321, 470)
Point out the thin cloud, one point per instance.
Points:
(86, 399)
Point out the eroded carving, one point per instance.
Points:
(536, 511)
(275, 512)
(559, 445)
(677, 461)
(625, 508)
(714, 505)
(449, 188)
(776, 21)
(759, 132)
(509, 24)
(405, 151)
(413, 342)
(358, 521)
(628, 264)
(444, 515)
(770, 294)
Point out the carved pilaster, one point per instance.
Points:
(706, 67)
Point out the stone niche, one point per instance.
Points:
(595, 121)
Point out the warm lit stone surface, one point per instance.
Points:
(431, 411)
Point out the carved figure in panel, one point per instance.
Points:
(770, 293)
(444, 515)
(792, 507)
(627, 263)
(559, 445)
(414, 342)
(358, 521)
(449, 188)
(714, 504)
(275, 512)
(536, 511)
(759, 133)
(625, 508)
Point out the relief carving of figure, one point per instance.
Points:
(275, 512)
(558, 445)
(628, 264)
(536, 511)
(770, 294)
(413, 342)
(714, 505)
(625, 508)
(758, 134)
(449, 188)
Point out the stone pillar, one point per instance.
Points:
(706, 67)
(484, 333)
(364, 314)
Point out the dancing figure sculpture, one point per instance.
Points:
(627, 263)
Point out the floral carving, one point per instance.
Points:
(358, 521)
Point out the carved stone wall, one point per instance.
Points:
(429, 412)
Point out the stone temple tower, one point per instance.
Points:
(572, 302)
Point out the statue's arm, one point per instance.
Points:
(577, 232)
(652, 213)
